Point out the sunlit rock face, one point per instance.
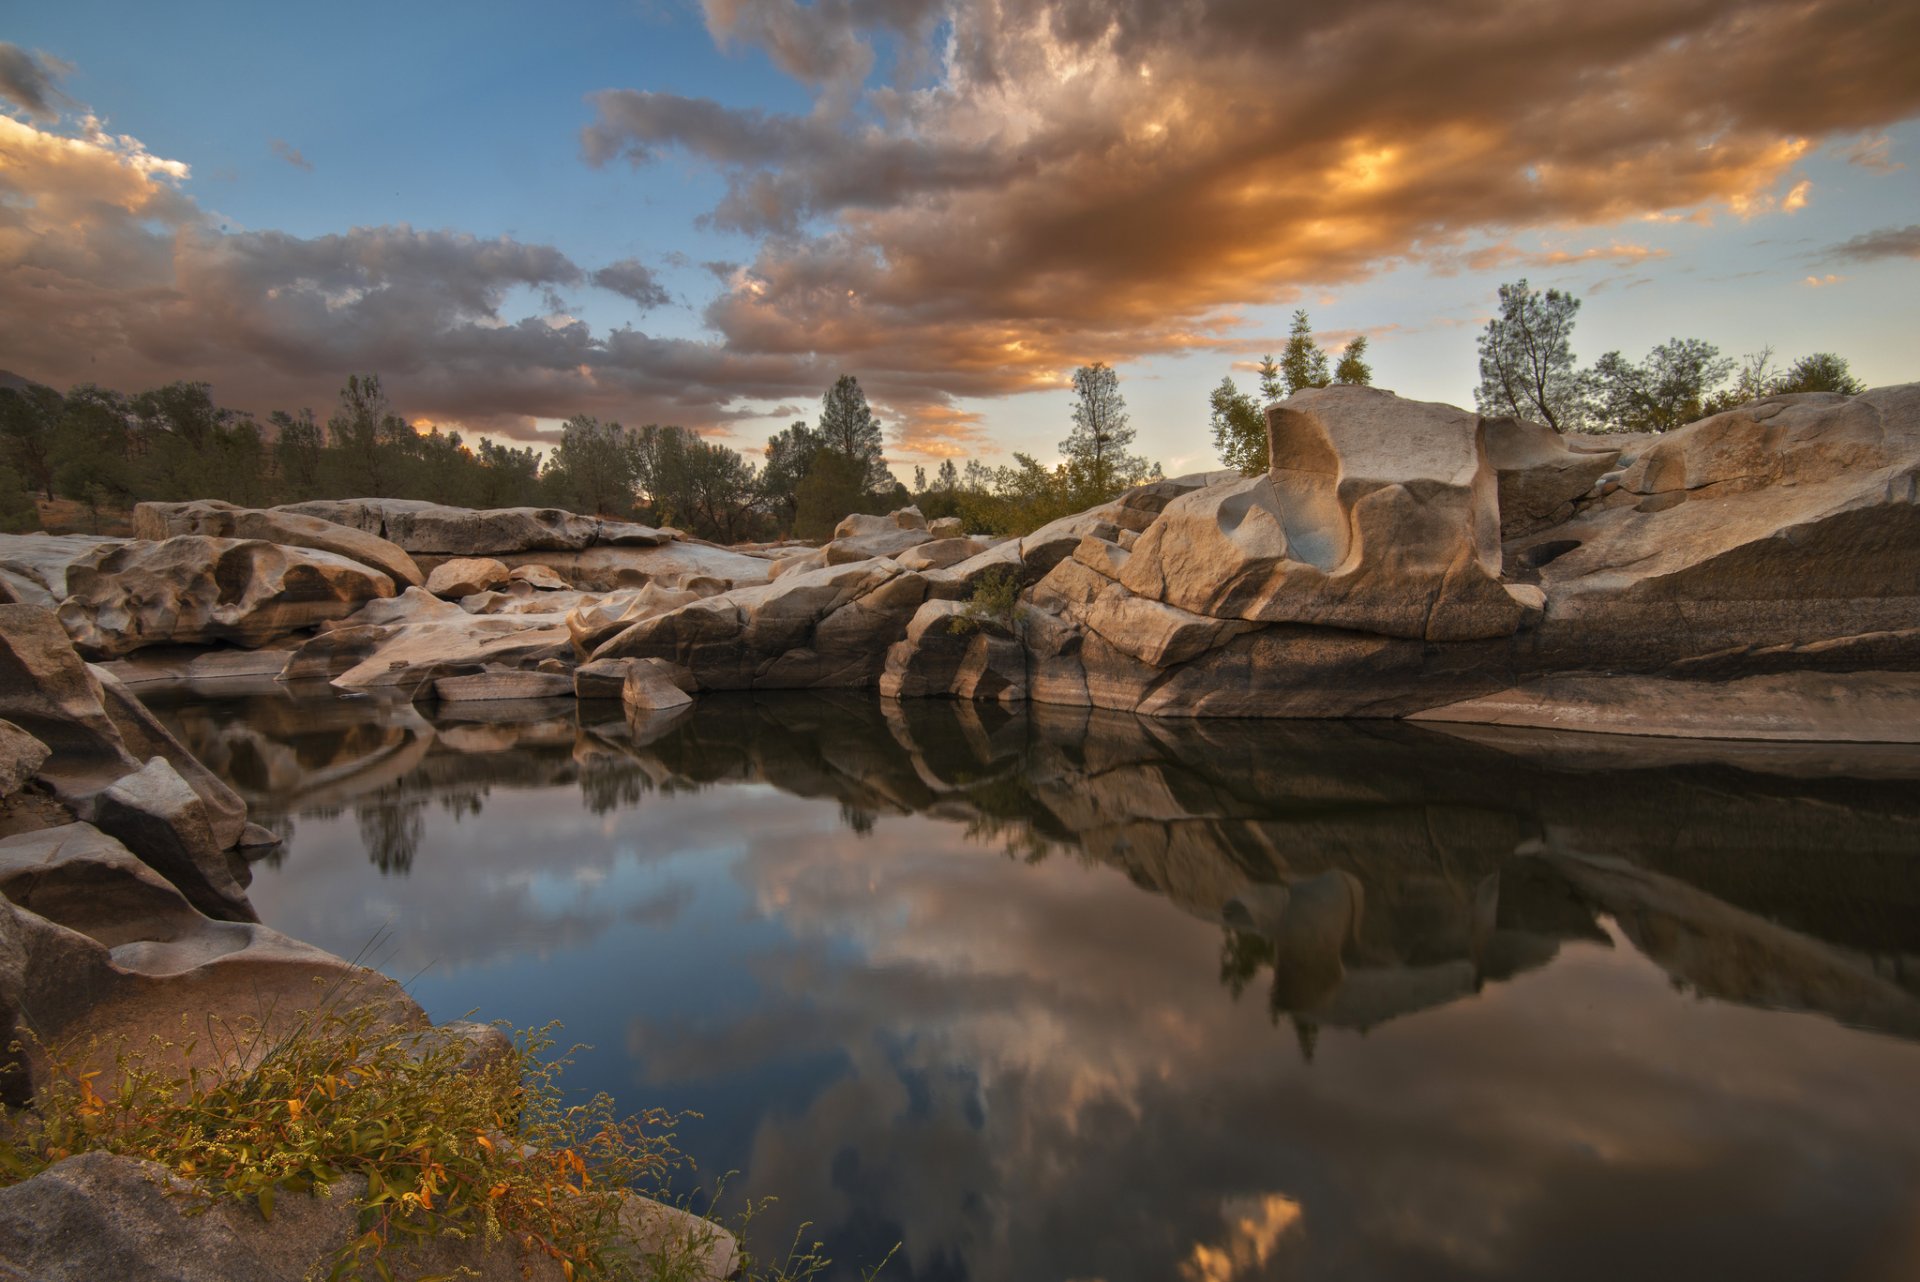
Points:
(226, 521)
(199, 590)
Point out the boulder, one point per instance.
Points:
(464, 576)
(645, 689)
(212, 517)
(594, 623)
(939, 554)
(863, 538)
(610, 568)
(33, 567)
(415, 605)
(947, 527)
(154, 811)
(538, 576)
(21, 756)
(947, 651)
(95, 729)
(406, 655)
(198, 590)
(1784, 523)
(827, 627)
(1379, 515)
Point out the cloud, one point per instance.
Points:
(1884, 242)
(1079, 182)
(29, 81)
(632, 279)
(291, 154)
(1821, 282)
(1871, 154)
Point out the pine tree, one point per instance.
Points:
(1098, 465)
(1302, 363)
(1272, 387)
(1239, 429)
(1353, 368)
(848, 428)
(1526, 359)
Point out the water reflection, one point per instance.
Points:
(1526, 988)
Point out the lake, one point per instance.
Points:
(1043, 995)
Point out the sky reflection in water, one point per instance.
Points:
(1054, 996)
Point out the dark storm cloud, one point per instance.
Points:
(30, 81)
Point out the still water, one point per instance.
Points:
(1046, 996)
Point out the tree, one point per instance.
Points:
(1302, 363)
(1098, 465)
(28, 416)
(362, 432)
(18, 513)
(595, 467)
(947, 480)
(834, 486)
(1353, 368)
(1671, 387)
(1820, 372)
(297, 447)
(1273, 387)
(1526, 359)
(508, 477)
(1239, 429)
(789, 454)
(848, 427)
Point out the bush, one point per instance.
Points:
(492, 1151)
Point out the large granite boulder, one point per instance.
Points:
(158, 521)
(678, 564)
(1788, 522)
(1541, 473)
(199, 590)
(948, 651)
(465, 575)
(1379, 515)
(33, 567)
(862, 538)
(21, 756)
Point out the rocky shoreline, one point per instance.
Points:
(124, 919)
(1752, 575)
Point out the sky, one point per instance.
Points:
(703, 211)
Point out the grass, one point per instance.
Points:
(995, 602)
(493, 1151)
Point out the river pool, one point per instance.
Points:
(1046, 995)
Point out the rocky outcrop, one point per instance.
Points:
(948, 651)
(211, 517)
(438, 530)
(127, 594)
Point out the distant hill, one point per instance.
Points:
(10, 381)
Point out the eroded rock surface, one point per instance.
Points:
(212, 517)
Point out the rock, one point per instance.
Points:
(592, 625)
(407, 655)
(957, 582)
(539, 576)
(95, 729)
(947, 652)
(947, 527)
(98, 1215)
(938, 554)
(604, 568)
(415, 605)
(1054, 542)
(1153, 632)
(863, 538)
(646, 690)
(108, 953)
(21, 756)
(212, 517)
(503, 683)
(465, 576)
(435, 529)
(155, 812)
(602, 678)
(828, 627)
(1379, 515)
(1786, 522)
(814, 560)
(1541, 473)
(34, 566)
(198, 590)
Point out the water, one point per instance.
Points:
(1025, 992)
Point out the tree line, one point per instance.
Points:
(1527, 369)
(106, 451)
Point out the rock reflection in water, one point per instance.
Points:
(1009, 1066)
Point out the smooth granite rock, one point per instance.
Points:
(226, 521)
